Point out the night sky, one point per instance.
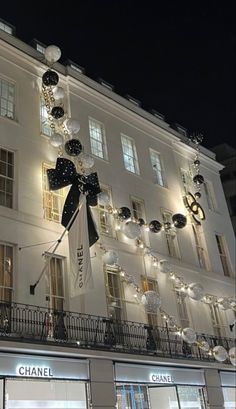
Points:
(176, 57)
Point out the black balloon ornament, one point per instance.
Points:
(197, 195)
(155, 226)
(73, 147)
(57, 112)
(141, 222)
(179, 220)
(196, 163)
(50, 78)
(198, 179)
(124, 213)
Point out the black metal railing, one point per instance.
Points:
(31, 323)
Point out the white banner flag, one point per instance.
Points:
(80, 264)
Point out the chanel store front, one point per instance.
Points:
(158, 387)
(30, 382)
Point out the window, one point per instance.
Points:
(45, 124)
(115, 294)
(40, 48)
(55, 284)
(137, 206)
(200, 246)
(171, 237)
(210, 196)
(216, 320)
(149, 284)
(97, 138)
(6, 272)
(129, 154)
(7, 99)
(6, 177)
(105, 219)
(132, 397)
(157, 167)
(182, 309)
(186, 179)
(53, 201)
(221, 244)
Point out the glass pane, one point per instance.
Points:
(191, 397)
(229, 398)
(163, 398)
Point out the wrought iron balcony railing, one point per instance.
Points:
(36, 324)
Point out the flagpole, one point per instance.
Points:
(33, 286)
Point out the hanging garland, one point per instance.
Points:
(64, 131)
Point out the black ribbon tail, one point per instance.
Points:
(92, 231)
(71, 205)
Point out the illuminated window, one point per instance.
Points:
(170, 233)
(7, 99)
(221, 244)
(129, 154)
(6, 177)
(97, 138)
(53, 201)
(138, 210)
(200, 245)
(132, 397)
(157, 168)
(105, 219)
(55, 284)
(45, 124)
(115, 294)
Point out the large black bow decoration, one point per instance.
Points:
(65, 174)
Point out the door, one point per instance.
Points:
(163, 397)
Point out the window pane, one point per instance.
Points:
(6, 178)
(157, 167)
(97, 139)
(7, 99)
(129, 155)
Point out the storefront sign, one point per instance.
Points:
(161, 378)
(43, 367)
(39, 371)
(150, 374)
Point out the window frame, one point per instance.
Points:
(216, 320)
(45, 127)
(6, 177)
(13, 102)
(169, 239)
(159, 174)
(210, 195)
(200, 246)
(119, 310)
(3, 287)
(224, 256)
(134, 156)
(108, 216)
(51, 196)
(52, 298)
(150, 284)
(183, 313)
(102, 141)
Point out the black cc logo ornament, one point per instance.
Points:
(194, 208)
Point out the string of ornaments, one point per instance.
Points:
(151, 300)
(64, 132)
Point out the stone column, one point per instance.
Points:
(214, 389)
(102, 386)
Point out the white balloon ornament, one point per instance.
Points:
(56, 140)
(58, 93)
(152, 301)
(220, 353)
(73, 126)
(110, 257)
(224, 303)
(52, 53)
(232, 356)
(87, 161)
(132, 230)
(189, 335)
(164, 266)
(195, 291)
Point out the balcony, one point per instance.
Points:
(29, 323)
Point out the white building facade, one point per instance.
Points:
(103, 349)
